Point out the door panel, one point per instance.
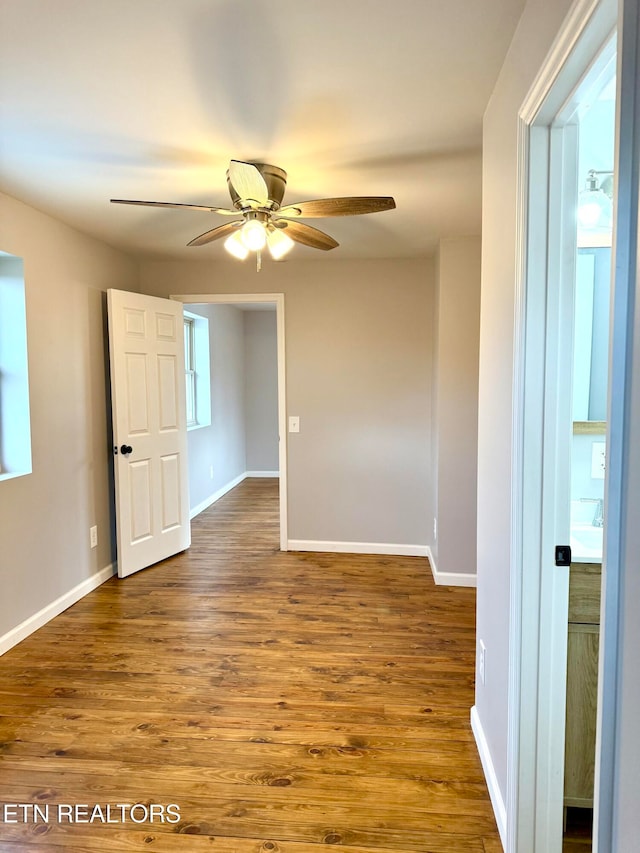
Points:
(170, 486)
(168, 387)
(139, 474)
(138, 405)
(148, 393)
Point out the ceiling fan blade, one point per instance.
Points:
(222, 210)
(216, 233)
(349, 206)
(307, 235)
(248, 182)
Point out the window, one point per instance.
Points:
(197, 370)
(190, 370)
(15, 422)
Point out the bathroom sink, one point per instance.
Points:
(586, 543)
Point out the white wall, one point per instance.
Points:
(45, 516)
(539, 24)
(456, 419)
(358, 360)
(220, 446)
(261, 390)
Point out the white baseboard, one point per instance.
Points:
(449, 578)
(206, 503)
(20, 632)
(358, 548)
(262, 474)
(497, 801)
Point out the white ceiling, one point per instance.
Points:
(149, 99)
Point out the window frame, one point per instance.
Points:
(15, 409)
(190, 371)
(198, 371)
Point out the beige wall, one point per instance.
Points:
(261, 390)
(456, 409)
(45, 516)
(358, 357)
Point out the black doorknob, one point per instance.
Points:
(126, 449)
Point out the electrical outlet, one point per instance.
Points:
(93, 536)
(482, 654)
(211, 472)
(435, 529)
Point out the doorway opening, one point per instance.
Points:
(245, 435)
(561, 379)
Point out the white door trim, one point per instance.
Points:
(533, 735)
(276, 299)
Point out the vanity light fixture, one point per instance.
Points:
(595, 207)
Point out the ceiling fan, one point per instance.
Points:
(257, 190)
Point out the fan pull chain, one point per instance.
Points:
(258, 260)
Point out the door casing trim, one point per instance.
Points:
(530, 803)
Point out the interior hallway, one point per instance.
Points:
(284, 701)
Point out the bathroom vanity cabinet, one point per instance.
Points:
(582, 683)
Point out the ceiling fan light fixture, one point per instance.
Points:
(257, 191)
(236, 247)
(254, 235)
(279, 244)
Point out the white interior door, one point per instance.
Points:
(149, 429)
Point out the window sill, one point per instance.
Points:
(192, 427)
(11, 475)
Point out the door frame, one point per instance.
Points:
(617, 746)
(276, 299)
(538, 596)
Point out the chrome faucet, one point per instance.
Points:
(598, 515)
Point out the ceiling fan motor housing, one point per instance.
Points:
(275, 179)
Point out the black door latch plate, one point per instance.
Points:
(563, 555)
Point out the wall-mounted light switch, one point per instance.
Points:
(294, 423)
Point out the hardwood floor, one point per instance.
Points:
(283, 701)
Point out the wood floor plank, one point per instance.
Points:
(492, 845)
(77, 840)
(343, 760)
(449, 732)
(285, 701)
(312, 745)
